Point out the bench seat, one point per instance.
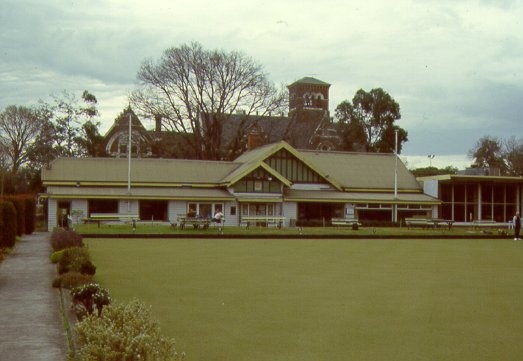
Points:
(277, 221)
(428, 222)
(345, 222)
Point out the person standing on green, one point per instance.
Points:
(517, 226)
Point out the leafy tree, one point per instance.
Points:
(19, 127)
(430, 171)
(91, 141)
(69, 115)
(488, 153)
(68, 129)
(367, 122)
(193, 90)
(43, 150)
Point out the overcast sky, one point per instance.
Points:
(455, 67)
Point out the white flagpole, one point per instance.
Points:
(129, 166)
(395, 207)
(396, 166)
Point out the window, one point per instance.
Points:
(103, 206)
(205, 210)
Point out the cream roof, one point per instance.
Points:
(343, 170)
(113, 170)
(362, 170)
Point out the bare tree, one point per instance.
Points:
(194, 90)
(19, 127)
(513, 149)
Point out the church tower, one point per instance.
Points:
(309, 94)
(311, 126)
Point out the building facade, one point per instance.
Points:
(469, 198)
(304, 187)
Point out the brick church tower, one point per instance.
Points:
(309, 94)
(311, 126)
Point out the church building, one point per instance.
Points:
(306, 126)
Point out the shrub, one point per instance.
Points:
(88, 268)
(124, 331)
(71, 280)
(61, 238)
(89, 298)
(55, 256)
(75, 259)
(7, 224)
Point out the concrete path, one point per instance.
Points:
(30, 322)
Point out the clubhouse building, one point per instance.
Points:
(302, 187)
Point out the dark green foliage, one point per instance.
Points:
(488, 153)
(7, 224)
(71, 280)
(368, 122)
(19, 204)
(429, 171)
(76, 259)
(61, 239)
(88, 268)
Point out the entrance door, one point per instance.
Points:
(62, 211)
(153, 210)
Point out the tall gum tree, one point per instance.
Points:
(193, 90)
(368, 122)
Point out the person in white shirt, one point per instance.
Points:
(218, 216)
(517, 226)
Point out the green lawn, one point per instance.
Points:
(311, 300)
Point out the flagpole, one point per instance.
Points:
(129, 166)
(396, 165)
(395, 207)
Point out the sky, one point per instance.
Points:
(454, 66)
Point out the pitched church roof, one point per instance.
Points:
(309, 80)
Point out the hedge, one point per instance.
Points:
(19, 204)
(8, 228)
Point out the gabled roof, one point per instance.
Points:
(348, 172)
(247, 168)
(258, 156)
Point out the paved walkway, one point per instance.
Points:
(30, 322)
